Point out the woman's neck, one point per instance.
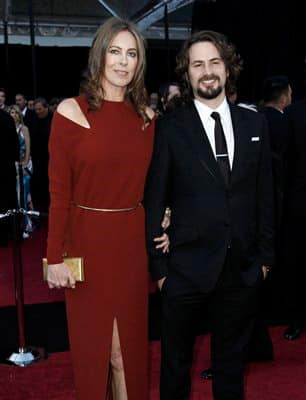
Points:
(113, 93)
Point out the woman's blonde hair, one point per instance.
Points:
(18, 111)
(91, 84)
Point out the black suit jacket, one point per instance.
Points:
(207, 217)
(28, 119)
(279, 134)
(296, 178)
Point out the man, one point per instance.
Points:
(277, 95)
(3, 106)
(221, 237)
(295, 221)
(8, 198)
(170, 96)
(40, 133)
(27, 114)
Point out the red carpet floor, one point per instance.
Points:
(35, 290)
(282, 379)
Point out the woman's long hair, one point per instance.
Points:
(227, 52)
(91, 85)
(19, 113)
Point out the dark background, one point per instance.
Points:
(269, 35)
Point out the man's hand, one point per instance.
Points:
(160, 282)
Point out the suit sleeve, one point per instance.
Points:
(155, 199)
(265, 212)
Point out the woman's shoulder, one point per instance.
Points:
(70, 109)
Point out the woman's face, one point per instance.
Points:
(120, 62)
(14, 114)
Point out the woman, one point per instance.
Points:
(25, 161)
(100, 149)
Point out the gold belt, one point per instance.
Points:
(107, 209)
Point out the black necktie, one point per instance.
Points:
(221, 149)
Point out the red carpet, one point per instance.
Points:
(283, 379)
(35, 290)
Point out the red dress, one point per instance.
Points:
(104, 166)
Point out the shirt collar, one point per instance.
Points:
(223, 109)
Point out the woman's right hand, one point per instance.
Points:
(60, 276)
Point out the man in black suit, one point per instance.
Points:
(295, 220)
(277, 94)
(212, 165)
(28, 115)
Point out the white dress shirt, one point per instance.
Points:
(209, 125)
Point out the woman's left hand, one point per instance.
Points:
(163, 243)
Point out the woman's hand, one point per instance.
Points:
(60, 276)
(163, 243)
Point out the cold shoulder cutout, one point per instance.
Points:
(70, 109)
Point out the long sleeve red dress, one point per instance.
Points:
(103, 167)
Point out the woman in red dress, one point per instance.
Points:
(100, 150)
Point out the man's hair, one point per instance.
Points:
(22, 95)
(227, 52)
(3, 91)
(91, 85)
(42, 101)
(274, 87)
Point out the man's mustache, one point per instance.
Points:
(208, 77)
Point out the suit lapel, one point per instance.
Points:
(200, 143)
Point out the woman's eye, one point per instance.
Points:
(114, 51)
(133, 54)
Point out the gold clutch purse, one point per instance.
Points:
(76, 264)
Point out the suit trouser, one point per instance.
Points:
(295, 272)
(233, 307)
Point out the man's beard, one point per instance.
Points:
(209, 94)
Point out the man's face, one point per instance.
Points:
(153, 100)
(207, 73)
(289, 96)
(20, 101)
(40, 110)
(2, 98)
(173, 91)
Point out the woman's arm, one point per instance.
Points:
(27, 140)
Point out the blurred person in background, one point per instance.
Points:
(26, 163)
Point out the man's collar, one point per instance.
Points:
(206, 111)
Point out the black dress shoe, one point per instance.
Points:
(207, 374)
(293, 332)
